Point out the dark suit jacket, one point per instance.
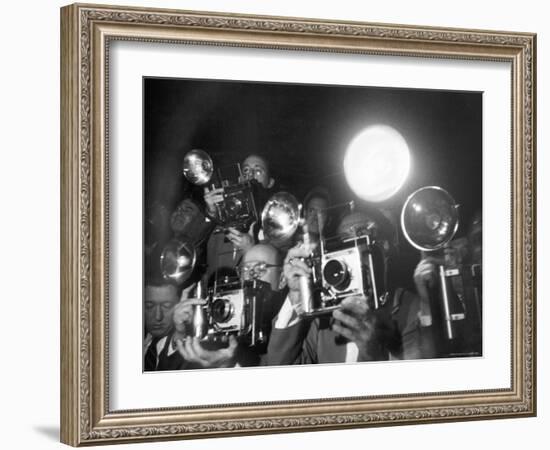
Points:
(166, 361)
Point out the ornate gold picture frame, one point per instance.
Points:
(87, 32)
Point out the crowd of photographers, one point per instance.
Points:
(400, 328)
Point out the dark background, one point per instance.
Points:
(304, 130)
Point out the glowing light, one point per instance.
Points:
(377, 163)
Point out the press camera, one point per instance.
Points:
(244, 310)
(344, 268)
(238, 207)
(342, 265)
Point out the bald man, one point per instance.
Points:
(262, 262)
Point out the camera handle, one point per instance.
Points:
(371, 271)
(448, 316)
(306, 294)
(199, 315)
(445, 299)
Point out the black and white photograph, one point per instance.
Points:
(291, 220)
(289, 224)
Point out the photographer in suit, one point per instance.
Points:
(354, 332)
(226, 249)
(263, 263)
(191, 350)
(165, 346)
(159, 352)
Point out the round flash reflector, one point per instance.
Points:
(377, 163)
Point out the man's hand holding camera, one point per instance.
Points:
(296, 271)
(425, 277)
(355, 322)
(193, 352)
(241, 241)
(212, 197)
(190, 347)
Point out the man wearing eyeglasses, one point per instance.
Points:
(262, 263)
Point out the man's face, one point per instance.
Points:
(256, 168)
(316, 215)
(261, 262)
(184, 218)
(159, 306)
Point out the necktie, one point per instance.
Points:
(151, 356)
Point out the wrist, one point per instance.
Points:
(295, 298)
(210, 211)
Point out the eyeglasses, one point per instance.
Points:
(250, 172)
(254, 270)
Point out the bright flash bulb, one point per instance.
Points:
(377, 163)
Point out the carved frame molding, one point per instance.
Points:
(86, 31)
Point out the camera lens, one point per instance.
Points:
(336, 274)
(222, 310)
(233, 205)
